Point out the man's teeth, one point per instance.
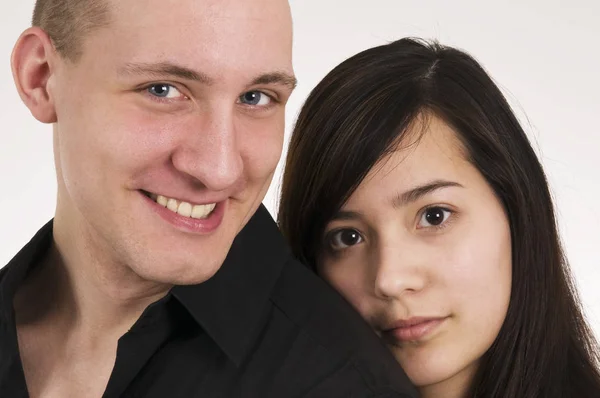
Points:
(184, 208)
(161, 200)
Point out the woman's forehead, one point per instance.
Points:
(426, 150)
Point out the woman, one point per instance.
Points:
(412, 189)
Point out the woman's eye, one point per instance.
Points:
(163, 90)
(255, 98)
(434, 217)
(344, 238)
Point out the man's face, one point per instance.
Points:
(169, 130)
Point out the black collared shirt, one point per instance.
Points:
(263, 326)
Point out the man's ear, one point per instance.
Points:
(32, 66)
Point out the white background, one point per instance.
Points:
(544, 54)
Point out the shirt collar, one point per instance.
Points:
(231, 306)
(15, 272)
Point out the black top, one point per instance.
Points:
(263, 326)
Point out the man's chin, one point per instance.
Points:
(177, 272)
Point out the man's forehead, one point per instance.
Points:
(199, 23)
(172, 10)
(192, 41)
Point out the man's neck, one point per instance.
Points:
(70, 312)
(80, 290)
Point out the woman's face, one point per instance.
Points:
(422, 250)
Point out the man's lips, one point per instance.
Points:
(194, 200)
(202, 219)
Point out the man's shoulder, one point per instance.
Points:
(319, 310)
(329, 331)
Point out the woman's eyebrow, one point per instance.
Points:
(416, 193)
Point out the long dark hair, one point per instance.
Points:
(359, 112)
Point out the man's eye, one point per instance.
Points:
(255, 98)
(163, 90)
(344, 238)
(434, 217)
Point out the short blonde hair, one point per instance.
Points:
(67, 22)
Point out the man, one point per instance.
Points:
(161, 274)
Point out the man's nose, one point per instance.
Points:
(209, 151)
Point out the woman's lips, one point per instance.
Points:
(413, 329)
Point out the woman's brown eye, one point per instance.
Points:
(345, 238)
(434, 216)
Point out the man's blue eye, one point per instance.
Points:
(160, 90)
(255, 98)
(163, 90)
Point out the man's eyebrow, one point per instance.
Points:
(169, 69)
(165, 69)
(416, 193)
(277, 78)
